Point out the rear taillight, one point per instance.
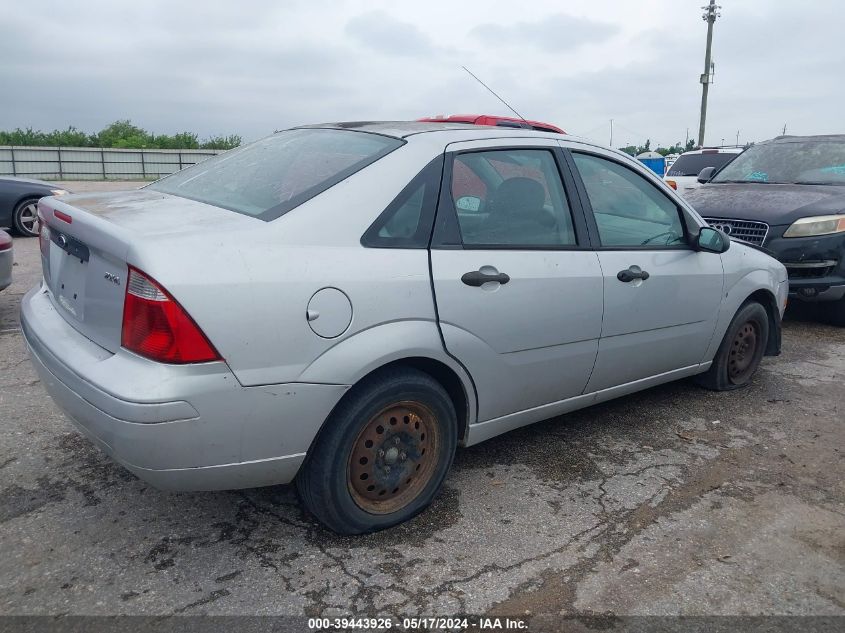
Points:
(157, 327)
(672, 184)
(5, 241)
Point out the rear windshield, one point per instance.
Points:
(803, 162)
(692, 164)
(268, 178)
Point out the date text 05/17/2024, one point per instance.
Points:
(411, 623)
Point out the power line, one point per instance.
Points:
(588, 133)
(634, 132)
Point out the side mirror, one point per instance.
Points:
(468, 203)
(706, 174)
(712, 240)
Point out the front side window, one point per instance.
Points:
(268, 178)
(799, 161)
(511, 198)
(628, 209)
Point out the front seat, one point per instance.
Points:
(516, 214)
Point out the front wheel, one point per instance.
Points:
(382, 455)
(25, 218)
(741, 350)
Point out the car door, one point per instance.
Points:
(661, 297)
(517, 289)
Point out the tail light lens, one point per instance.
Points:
(157, 327)
(5, 241)
(672, 184)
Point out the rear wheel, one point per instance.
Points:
(25, 217)
(382, 455)
(741, 350)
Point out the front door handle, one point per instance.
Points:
(477, 278)
(631, 273)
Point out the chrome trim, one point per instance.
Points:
(726, 225)
(823, 264)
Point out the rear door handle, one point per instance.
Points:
(477, 278)
(631, 273)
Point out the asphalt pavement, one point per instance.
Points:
(671, 501)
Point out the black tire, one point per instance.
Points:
(741, 350)
(834, 312)
(342, 492)
(21, 220)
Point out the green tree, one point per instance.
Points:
(122, 134)
(221, 142)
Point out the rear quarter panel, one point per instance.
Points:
(250, 289)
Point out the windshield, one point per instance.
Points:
(270, 177)
(801, 162)
(692, 164)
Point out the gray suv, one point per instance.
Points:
(343, 305)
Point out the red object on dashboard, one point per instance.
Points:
(489, 119)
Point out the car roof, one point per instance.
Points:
(455, 132)
(404, 129)
(493, 119)
(715, 150)
(840, 138)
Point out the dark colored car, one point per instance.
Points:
(19, 202)
(787, 195)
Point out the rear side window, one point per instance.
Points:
(692, 164)
(521, 202)
(268, 178)
(407, 221)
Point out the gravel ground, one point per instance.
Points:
(672, 501)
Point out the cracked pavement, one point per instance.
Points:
(671, 501)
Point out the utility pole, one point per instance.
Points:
(737, 138)
(711, 12)
(611, 133)
(784, 129)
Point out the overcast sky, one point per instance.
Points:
(251, 66)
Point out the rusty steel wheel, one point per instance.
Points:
(393, 457)
(740, 351)
(383, 453)
(743, 352)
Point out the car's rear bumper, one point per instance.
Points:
(7, 259)
(815, 265)
(179, 427)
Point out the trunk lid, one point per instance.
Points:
(90, 241)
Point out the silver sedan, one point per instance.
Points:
(343, 305)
